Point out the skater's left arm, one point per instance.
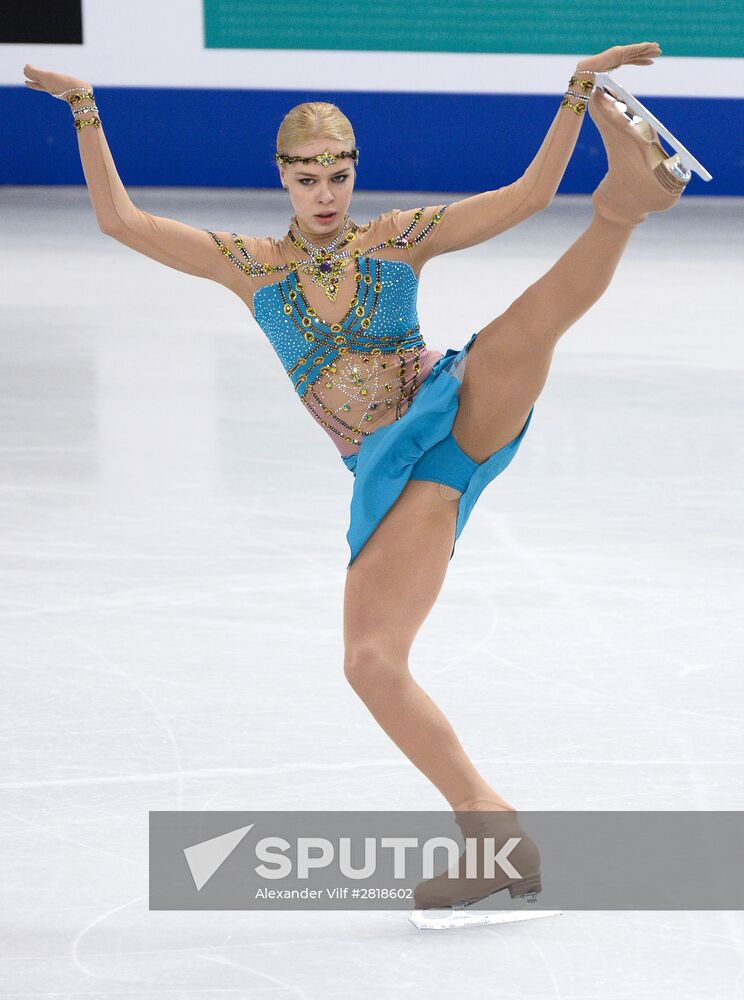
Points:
(472, 220)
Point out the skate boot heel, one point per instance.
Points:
(526, 888)
(672, 174)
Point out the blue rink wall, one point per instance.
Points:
(460, 142)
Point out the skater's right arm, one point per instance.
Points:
(167, 241)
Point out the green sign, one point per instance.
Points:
(682, 29)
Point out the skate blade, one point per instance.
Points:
(448, 917)
(686, 158)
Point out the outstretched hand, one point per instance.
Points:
(639, 54)
(52, 83)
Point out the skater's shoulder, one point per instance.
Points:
(269, 246)
(258, 252)
(381, 225)
(387, 228)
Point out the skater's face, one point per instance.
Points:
(316, 190)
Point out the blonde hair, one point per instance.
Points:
(313, 120)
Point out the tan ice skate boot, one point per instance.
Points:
(517, 870)
(642, 176)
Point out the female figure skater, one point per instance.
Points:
(422, 432)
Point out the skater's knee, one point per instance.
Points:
(371, 669)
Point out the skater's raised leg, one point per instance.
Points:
(508, 364)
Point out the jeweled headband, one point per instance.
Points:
(325, 159)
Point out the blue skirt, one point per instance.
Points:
(420, 446)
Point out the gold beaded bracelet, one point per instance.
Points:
(80, 123)
(586, 85)
(73, 97)
(578, 108)
(76, 96)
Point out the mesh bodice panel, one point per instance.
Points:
(359, 374)
(356, 362)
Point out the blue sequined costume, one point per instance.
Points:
(345, 371)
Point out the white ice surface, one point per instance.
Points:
(173, 558)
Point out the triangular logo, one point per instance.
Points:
(205, 858)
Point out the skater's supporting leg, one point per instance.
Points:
(390, 588)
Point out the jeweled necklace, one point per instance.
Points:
(328, 262)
